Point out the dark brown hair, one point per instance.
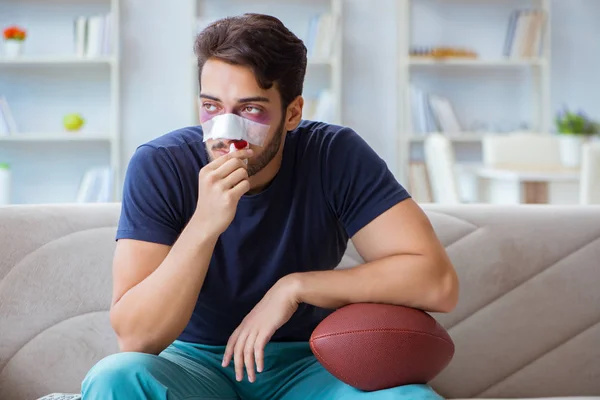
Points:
(261, 42)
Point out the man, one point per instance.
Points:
(223, 268)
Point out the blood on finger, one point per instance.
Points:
(240, 144)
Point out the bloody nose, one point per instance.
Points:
(240, 144)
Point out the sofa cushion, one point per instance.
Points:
(55, 290)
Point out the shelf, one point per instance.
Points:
(457, 62)
(465, 137)
(45, 61)
(311, 62)
(316, 61)
(457, 137)
(56, 137)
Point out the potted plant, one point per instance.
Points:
(13, 41)
(574, 129)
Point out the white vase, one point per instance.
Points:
(4, 183)
(13, 48)
(570, 150)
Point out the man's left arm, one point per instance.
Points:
(405, 264)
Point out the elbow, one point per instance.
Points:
(133, 345)
(129, 341)
(445, 291)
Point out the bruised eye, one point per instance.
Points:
(252, 110)
(210, 107)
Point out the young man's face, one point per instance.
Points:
(233, 89)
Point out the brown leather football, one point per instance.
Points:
(378, 346)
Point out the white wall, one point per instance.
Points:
(576, 55)
(156, 100)
(370, 74)
(156, 51)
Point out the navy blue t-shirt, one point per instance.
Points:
(330, 185)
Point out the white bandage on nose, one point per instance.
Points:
(234, 127)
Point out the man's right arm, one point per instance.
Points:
(155, 286)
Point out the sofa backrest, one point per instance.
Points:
(527, 323)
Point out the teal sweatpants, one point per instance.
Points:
(192, 371)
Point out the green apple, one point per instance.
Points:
(73, 122)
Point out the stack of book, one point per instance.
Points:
(8, 125)
(96, 186)
(320, 38)
(93, 36)
(525, 34)
(442, 52)
(432, 113)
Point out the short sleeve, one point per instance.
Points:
(357, 182)
(150, 209)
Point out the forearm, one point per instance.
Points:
(152, 314)
(409, 280)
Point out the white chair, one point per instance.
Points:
(521, 149)
(525, 151)
(589, 189)
(439, 159)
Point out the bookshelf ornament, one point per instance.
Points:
(73, 122)
(574, 129)
(14, 38)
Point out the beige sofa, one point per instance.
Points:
(527, 324)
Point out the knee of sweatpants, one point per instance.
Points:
(410, 392)
(126, 375)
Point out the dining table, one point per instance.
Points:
(528, 184)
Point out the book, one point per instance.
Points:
(8, 126)
(321, 35)
(96, 186)
(80, 33)
(3, 125)
(93, 35)
(419, 118)
(445, 115)
(419, 185)
(525, 34)
(432, 113)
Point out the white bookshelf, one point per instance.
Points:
(60, 61)
(323, 72)
(465, 137)
(33, 137)
(469, 63)
(48, 81)
(481, 26)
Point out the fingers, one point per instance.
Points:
(240, 155)
(234, 178)
(259, 351)
(229, 348)
(238, 356)
(249, 357)
(244, 348)
(230, 166)
(240, 189)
